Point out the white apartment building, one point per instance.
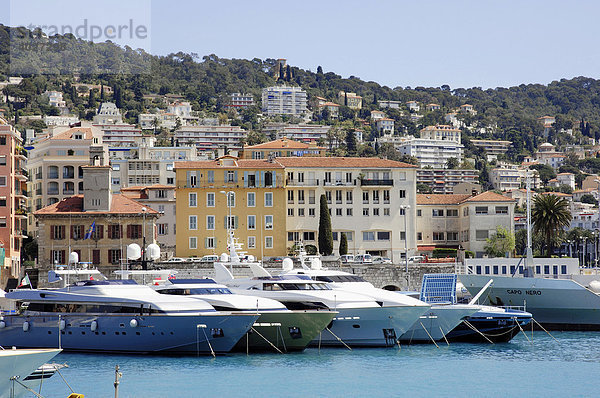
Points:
(584, 216)
(60, 120)
(146, 164)
(364, 197)
(119, 134)
(507, 178)
(389, 104)
(182, 109)
(162, 199)
(108, 113)
(547, 155)
(443, 181)
(284, 100)
(210, 137)
(435, 147)
(385, 126)
(461, 221)
(240, 101)
(493, 148)
(297, 132)
(55, 98)
(376, 115)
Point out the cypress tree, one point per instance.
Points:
(102, 92)
(343, 244)
(91, 100)
(288, 73)
(325, 234)
(281, 73)
(350, 143)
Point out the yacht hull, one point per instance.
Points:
(369, 327)
(288, 331)
(436, 323)
(20, 363)
(557, 304)
(496, 326)
(158, 334)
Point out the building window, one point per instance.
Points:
(308, 236)
(58, 256)
(268, 242)
(290, 196)
(210, 222)
(385, 235)
(348, 197)
(501, 209)
(210, 176)
(134, 231)
(301, 212)
(368, 236)
(114, 256)
(338, 196)
(2, 140)
(268, 222)
(252, 242)
(170, 181)
(301, 197)
(251, 222)
(162, 229)
(210, 199)
(402, 194)
(365, 196)
(268, 199)
(338, 212)
(311, 212)
(402, 211)
(193, 222)
(481, 234)
(114, 231)
(349, 236)
(452, 236)
(349, 212)
(438, 236)
(481, 210)
(419, 235)
(376, 212)
(193, 242)
(161, 194)
(386, 211)
(328, 196)
(465, 211)
(193, 199)
(231, 222)
(311, 197)
(76, 232)
(3, 182)
(57, 232)
(210, 243)
(230, 199)
(290, 212)
(419, 212)
(251, 199)
(452, 213)
(437, 212)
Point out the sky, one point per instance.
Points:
(460, 43)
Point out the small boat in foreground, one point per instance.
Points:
(16, 365)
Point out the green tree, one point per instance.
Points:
(589, 198)
(343, 244)
(91, 99)
(351, 143)
(452, 163)
(546, 172)
(550, 217)
(325, 233)
(501, 243)
(423, 188)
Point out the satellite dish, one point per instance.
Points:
(134, 251)
(287, 264)
(73, 258)
(153, 252)
(316, 264)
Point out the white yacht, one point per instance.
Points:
(18, 364)
(276, 328)
(362, 321)
(119, 316)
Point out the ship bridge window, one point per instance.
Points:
(195, 291)
(295, 286)
(340, 278)
(87, 308)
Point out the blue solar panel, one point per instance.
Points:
(439, 288)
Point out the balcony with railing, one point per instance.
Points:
(303, 183)
(378, 182)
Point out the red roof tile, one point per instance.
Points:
(120, 204)
(341, 162)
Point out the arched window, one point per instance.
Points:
(51, 201)
(53, 172)
(68, 188)
(80, 187)
(52, 188)
(68, 172)
(80, 172)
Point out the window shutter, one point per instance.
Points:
(62, 256)
(225, 222)
(62, 232)
(245, 179)
(235, 176)
(52, 232)
(206, 243)
(129, 231)
(188, 182)
(120, 231)
(224, 175)
(257, 178)
(235, 222)
(100, 231)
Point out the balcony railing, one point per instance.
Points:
(68, 192)
(53, 192)
(339, 183)
(304, 183)
(380, 182)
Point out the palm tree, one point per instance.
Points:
(550, 216)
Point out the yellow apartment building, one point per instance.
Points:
(246, 194)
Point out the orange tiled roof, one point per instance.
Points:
(559, 194)
(120, 204)
(340, 162)
(489, 196)
(68, 134)
(441, 199)
(240, 164)
(280, 144)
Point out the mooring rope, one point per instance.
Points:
(425, 329)
(265, 339)
(476, 330)
(340, 340)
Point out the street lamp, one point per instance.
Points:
(405, 208)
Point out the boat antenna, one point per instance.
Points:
(529, 259)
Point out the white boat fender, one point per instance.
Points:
(94, 326)
(595, 286)
(133, 323)
(2, 324)
(25, 326)
(62, 324)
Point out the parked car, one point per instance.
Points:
(381, 260)
(276, 259)
(347, 258)
(416, 259)
(210, 258)
(363, 259)
(175, 260)
(194, 259)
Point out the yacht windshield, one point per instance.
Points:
(296, 286)
(339, 278)
(196, 291)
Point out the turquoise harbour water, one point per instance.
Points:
(567, 368)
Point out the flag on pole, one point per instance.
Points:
(88, 234)
(25, 281)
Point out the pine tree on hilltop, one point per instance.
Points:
(325, 233)
(288, 74)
